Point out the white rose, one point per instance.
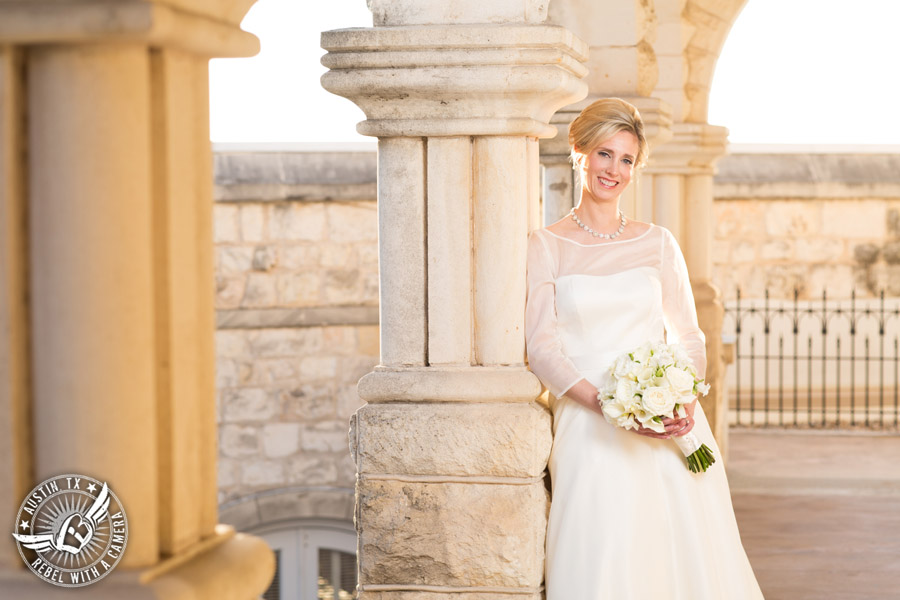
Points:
(642, 354)
(662, 358)
(659, 400)
(682, 382)
(703, 388)
(622, 367)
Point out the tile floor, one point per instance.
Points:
(819, 512)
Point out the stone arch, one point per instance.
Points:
(286, 506)
(711, 21)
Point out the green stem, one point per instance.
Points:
(701, 460)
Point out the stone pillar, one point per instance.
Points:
(452, 447)
(107, 277)
(682, 172)
(561, 185)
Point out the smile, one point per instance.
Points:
(607, 182)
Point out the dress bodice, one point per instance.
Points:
(601, 316)
(587, 304)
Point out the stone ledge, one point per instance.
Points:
(467, 36)
(155, 24)
(459, 384)
(228, 566)
(318, 316)
(809, 168)
(756, 191)
(240, 567)
(291, 176)
(311, 192)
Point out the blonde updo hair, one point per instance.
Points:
(599, 122)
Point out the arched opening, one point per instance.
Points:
(315, 560)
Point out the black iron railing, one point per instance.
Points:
(814, 363)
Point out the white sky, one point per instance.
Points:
(791, 72)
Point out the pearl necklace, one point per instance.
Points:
(607, 236)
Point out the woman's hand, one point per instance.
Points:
(585, 394)
(650, 433)
(675, 427)
(681, 426)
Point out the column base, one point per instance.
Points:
(710, 313)
(228, 566)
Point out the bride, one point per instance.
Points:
(628, 520)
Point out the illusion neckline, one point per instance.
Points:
(603, 243)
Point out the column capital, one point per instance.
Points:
(196, 29)
(450, 80)
(693, 150)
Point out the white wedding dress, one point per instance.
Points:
(628, 520)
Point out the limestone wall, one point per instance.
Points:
(297, 310)
(810, 221)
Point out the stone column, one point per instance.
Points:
(452, 447)
(561, 185)
(682, 172)
(107, 279)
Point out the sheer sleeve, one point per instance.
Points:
(545, 355)
(679, 310)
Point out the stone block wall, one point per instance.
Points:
(292, 254)
(284, 399)
(811, 221)
(297, 310)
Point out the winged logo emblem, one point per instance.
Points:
(74, 533)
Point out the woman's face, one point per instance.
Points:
(608, 168)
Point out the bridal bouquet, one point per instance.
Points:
(652, 382)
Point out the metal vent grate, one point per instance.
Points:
(274, 590)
